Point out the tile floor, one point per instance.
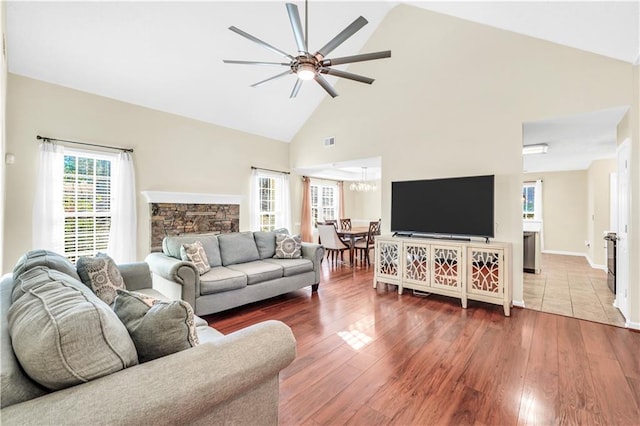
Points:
(569, 286)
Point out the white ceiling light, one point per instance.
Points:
(363, 185)
(539, 148)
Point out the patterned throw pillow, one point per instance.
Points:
(195, 253)
(288, 246)
(102, 275)
(157, 327)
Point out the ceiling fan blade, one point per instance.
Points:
(325, 85)
(296, 26)
(271, 78)
(296, 88)
(260, 42)
(230, 61)
(348, 75)
(344, 35)
(356, 58)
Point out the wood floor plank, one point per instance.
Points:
(609, 380)
(370, 356)
(538, 404)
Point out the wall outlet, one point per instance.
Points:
(587, 243)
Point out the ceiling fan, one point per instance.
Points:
(311, 67)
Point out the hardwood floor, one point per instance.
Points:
(368, 356)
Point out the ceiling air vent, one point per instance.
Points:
(329, 142)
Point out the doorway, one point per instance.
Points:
(575, 173)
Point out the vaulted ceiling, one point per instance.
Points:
(168, 55)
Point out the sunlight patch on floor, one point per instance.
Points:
(355, 338)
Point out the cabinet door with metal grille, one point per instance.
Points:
(485, 275)
(448, 267)
(417, 266)
(387, 261)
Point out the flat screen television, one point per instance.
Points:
(455, 207)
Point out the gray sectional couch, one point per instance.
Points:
(243, 270)
(225, 379)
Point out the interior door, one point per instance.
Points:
(622, 253)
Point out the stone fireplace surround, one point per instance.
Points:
(180, 213)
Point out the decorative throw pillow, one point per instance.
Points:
(195, 253)
(102, 275)
(62, 333)
(157, 327)
(288, 246)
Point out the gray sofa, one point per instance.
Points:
(225, 379)
(243, 270)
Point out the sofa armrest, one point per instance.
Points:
(177, 271)
(136, 276)
(194, 386)
(313, 252)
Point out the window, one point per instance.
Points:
(267, 203)
(271, 200)
(324, 203)
(532, 200)
(528, 200)
(87, 203)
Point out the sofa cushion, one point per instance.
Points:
(195, 253)
(101, 274)
(221, 279)
(16, 385)
(266, 242)
(293, 266)
(171, 246)
(62, 333)
(288, 246)
(46, 258)
(237, 247)
(157, 327)
(258, 271)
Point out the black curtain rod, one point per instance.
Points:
(269, 170)
(44, 138)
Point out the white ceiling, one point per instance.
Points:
(574, 142)
(168, 55)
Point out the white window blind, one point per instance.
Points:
(87, 203)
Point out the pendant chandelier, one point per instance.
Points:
(363, 185)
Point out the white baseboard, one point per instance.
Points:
(632, 325)
(572, 253)
(519, 303)
(566, 253)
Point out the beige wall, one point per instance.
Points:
(564, 210)
(3, 98)
(451, 102)
(362, 206)
(171, 153)
(599, 208)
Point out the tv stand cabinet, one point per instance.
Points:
(466, 270)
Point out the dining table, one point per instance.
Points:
(352, 235)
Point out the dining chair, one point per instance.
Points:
(333, 245)
(333, 222)
(365, 245)
(345, 224)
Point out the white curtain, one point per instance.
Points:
(283, 202)
(254, 211)
(48, 208)
(123, 231)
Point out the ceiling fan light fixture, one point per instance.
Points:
(306, 72)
